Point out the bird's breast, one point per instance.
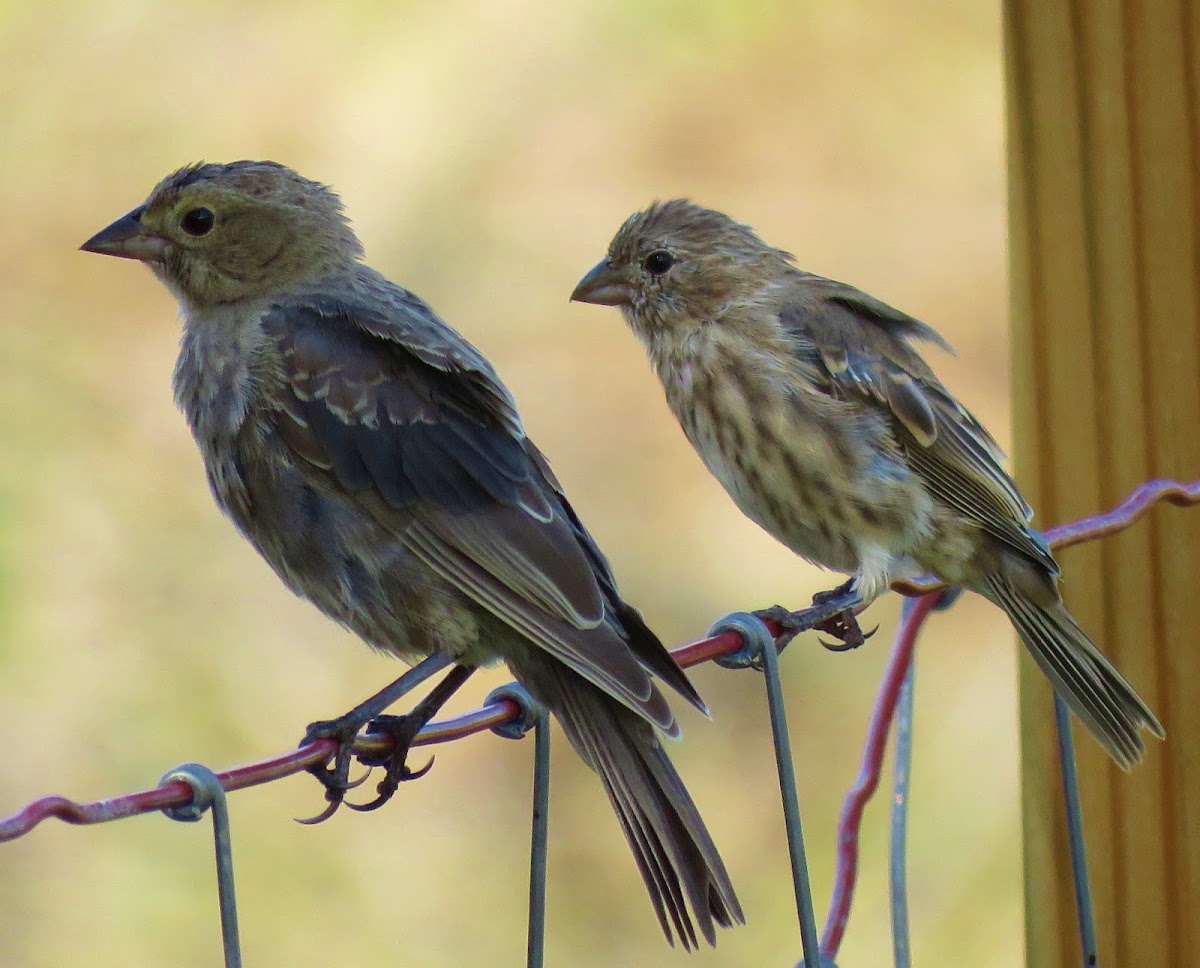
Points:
(319, 541)
(779, 449)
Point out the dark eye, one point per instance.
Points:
(198, 222)
(658, 262)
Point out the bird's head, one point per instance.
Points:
(676, 265)
(221, 233)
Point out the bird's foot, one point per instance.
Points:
(402, 730)
(790, 623)
(843, 623)
(334, 775)
(832, 612)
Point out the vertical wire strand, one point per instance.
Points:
(810, 940)
(539, 842)
(900, 803)
(1079, 863)
(759, 651)
(208, 793)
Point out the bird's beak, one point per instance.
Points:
(126, 238)
(603, 286)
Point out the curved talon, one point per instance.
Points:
(853, 637)
(839, 646)
(334, 773)
(329, 811)
(336, 782)
(384, 796)
(389, 785)
(332, 777)
(352, 784)
(402, 729)
(335, 778)
(417, 774)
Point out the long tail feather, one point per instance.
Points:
(675, 854)
(1095, 691)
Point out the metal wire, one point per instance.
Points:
(539, 848)
(208, 793)
(867, 781)
(480, 720)
(184, 789)
(898, 868)
(532, 716)
(1079, 862)
(758, 646)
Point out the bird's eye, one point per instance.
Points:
(658, 262)
(198, 222)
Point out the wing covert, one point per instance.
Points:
(862, 346)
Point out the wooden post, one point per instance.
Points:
(1104, 161)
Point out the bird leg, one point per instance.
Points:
(403, 730)
(345, 729)
(832, 612)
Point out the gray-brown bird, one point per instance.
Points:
(808, 401)
(373, 457)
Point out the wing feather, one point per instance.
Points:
(427, 441)
(863, 346)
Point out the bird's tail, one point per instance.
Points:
(1095, 691)
(674, 852)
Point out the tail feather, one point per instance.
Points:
(677, 858)
(652, 858)
(1095, 691)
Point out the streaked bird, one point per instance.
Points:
(373, 457)
(808, 401)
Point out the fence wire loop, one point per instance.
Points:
(529, 715)
(206, 790)
(756, 639)
(209, 793)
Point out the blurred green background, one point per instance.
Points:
(486, 151)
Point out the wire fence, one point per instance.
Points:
(740, 640)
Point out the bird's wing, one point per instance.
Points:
(425, 438)
(642, 640)
(863, 347)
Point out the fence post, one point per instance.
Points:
(1104, 190)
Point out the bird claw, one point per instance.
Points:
(335, 794)
(842, 625)
(390, 784)
(845, 628)
(854, 637)
(329, 811)
(403, 730)
(336, 778)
